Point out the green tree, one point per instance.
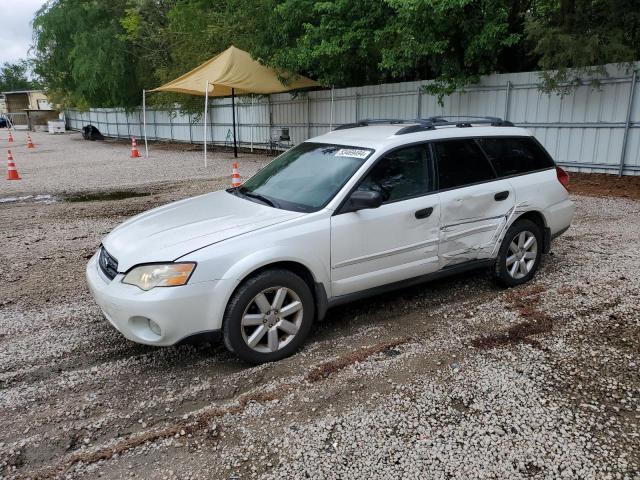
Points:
(570, 37)
(15, 76)
(335, 42)
(93, 53)
(82, 57)
(450, 41)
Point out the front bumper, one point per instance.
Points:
(177, 312)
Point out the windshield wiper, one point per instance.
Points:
(262, 198)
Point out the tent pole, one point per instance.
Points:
(144, 121)
(253, 118)
(233, 120)
(331, 119)
(206, 104)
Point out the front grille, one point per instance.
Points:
(108, 264)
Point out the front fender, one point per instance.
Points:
(257, 260)
(245, 266)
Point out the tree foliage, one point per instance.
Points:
(570, 38)
(15, 76)
(103, 53)
(81, 54)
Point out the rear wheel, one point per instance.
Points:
(520, 254)
(268, 317)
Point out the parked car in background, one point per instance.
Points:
(366, 208)
(4, 122)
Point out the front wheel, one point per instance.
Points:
(520, 254)
(268, 316)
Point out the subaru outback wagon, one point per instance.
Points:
(366, 208)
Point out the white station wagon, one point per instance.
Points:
(366, 208)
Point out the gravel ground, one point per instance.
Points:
(68, 163)
(452, 379)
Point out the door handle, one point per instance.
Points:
(424, 213)
(501, 195)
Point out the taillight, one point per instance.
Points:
(563, 177)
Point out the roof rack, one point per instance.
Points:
(429, 123)
(471, 119)
(369, 121)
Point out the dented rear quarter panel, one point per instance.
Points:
(542, 192)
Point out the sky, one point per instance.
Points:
(15, 28)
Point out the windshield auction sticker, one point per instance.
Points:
(353, 153)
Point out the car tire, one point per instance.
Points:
(268, 316)
(520, 254)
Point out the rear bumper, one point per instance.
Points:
(559, 217)
(177, 312)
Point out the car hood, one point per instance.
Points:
(174, 230)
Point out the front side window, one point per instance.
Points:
(401, 174)
(513, 156)
(461, 162)
(306, 177)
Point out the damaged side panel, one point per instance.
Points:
(473, 221)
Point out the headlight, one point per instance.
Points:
(147, 277)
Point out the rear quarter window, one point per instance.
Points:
(515, 156)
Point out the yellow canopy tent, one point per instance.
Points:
(227, 74)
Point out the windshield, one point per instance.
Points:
(306, 177)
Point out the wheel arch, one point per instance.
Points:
(539, 219)
(316, 285)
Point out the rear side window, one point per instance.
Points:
(461, 162)
(400, 175)
(513, 156)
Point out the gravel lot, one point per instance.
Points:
(452, 379)
(68, 164)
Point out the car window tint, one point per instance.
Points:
(512, 156)
(461, 162)
(401, 174)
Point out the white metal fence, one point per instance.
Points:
(592, 129)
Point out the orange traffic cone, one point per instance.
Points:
(10, 137)
(134, 148)
(235, 176)
(12, 171)
(30, 142)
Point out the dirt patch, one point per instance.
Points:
(604, 185)
(104, 196)
(181, 429)
(525, 303)
(326, 369)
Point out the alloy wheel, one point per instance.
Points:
(272, 319)
(523, 252)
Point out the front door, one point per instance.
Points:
(396, 241)
(474, 203)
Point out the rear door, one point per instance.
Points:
(399, 239)
(474, 202)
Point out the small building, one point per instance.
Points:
(18, 101)
(28, 107)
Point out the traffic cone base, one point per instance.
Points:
(134, 148)
(12, 171)
(236, 181)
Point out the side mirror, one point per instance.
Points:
(362, 200)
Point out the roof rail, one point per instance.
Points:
(371, 121)
(429, 123)
(468, 120)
